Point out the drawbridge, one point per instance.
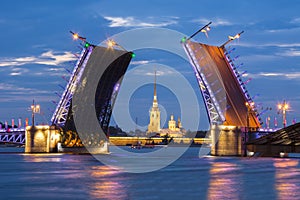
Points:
(108, 65)
(225, 95)
(231, 111)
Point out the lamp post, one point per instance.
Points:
(231, 38)
(249, 106)
(76, 36)
(283, 107)
(35, 108)
(204, 29)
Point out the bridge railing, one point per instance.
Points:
(10, 130)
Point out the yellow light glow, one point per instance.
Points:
(283, 106)
(111, 43)
(75, 36)
(249, 104)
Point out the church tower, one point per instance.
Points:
(172, 124)
(154, 125)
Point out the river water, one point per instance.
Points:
(67, 176)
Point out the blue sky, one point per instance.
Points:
(36, 48)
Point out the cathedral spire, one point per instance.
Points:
(154, 112)
(155, 83)
(155, 95)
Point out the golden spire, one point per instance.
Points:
(155, 96)
(155, 83)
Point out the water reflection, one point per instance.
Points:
(287, 178)
(42, 157)
(106, 184)
(224, 181)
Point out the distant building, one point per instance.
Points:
(154, 124)
(174, 128)
(172, 124)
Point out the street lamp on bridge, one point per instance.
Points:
(231, 38)
(204, 30)
(283, 107)
(35, 108)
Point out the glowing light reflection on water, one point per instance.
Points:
(66, 176)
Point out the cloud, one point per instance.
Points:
(282, 45)
(295, 21)
(140, 62)
(15, 73)
(46, 58)
(146, 72)
(290, 53)
(215, 22)
(259, 58)
(133, 22)
(276, 75)
(14, 89)
(11, 92)
(287, 30)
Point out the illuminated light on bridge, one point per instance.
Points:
(267, 129)
(283, 107)
(86, 45)
(204, 29)
(183, 40)
(110, 43)
(76, 36)
(35, 108)
(229, 51)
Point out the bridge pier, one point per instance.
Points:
(226, 140)
(41, 139)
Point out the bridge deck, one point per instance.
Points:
(224, 84)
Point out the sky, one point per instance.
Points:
(37, 51)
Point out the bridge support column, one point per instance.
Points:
(226, 140)
(41, 139)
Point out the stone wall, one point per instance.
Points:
(41, 139)
(226, 140)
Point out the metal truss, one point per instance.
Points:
(212, 106)
(16, 138)
(105, 113)
(61, 113)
